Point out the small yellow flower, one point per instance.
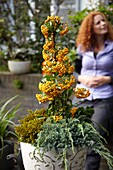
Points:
(73, 111)
(65, 50)
(81, 92)
(52, 51)
(71, 69)
(57, 118)
(43, 98)
(48, 45)
(63, 32)
(45, 55)
(44, 30)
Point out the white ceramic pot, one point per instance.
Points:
(19, 67)
(50, 162)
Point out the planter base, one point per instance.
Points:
(50, 162)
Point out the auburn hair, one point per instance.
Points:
(86, 37)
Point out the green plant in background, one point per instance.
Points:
(3, 61)
(108, 11)
(22, 54)
(23, 31)
(75, 21)
(5, 37)
(18, 84)
(7, 115)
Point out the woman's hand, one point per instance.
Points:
(91, 81)
(88, 81)
(103, 80)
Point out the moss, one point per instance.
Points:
(30, 125)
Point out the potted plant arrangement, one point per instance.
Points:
(20, 62)
(7, 134)
(61, 132)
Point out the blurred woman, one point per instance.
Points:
(95, 48)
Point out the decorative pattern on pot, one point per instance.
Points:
(50, 161)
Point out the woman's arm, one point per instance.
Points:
(94, 81)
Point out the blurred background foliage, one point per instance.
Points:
(20, 28)
(20, 24)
